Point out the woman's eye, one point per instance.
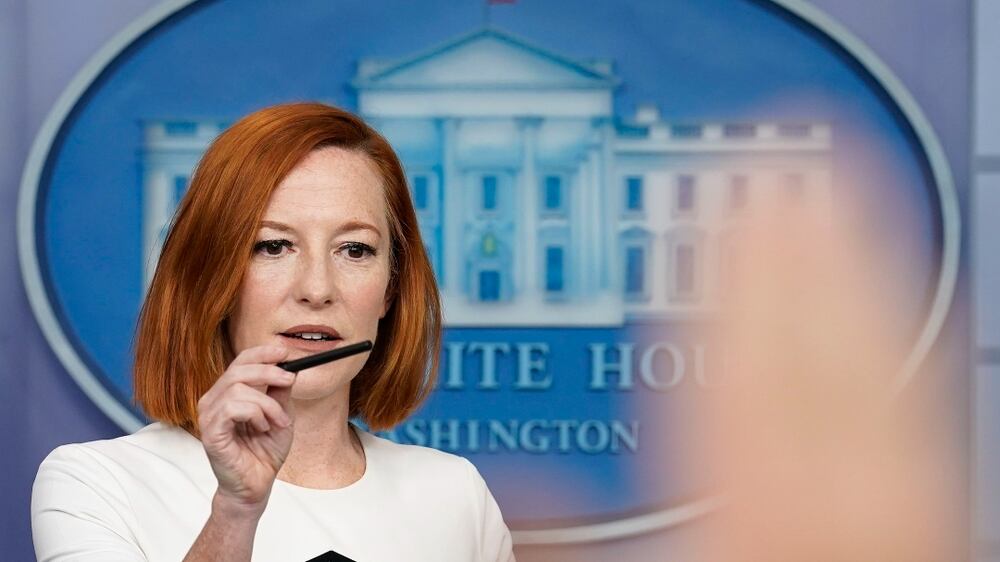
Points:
(357, 250)
(271, 247)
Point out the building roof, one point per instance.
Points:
(485, 59)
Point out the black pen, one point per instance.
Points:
(325, 357)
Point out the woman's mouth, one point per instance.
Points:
(311, 338)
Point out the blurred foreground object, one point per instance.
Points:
(818, 452)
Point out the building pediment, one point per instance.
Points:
(486, 59)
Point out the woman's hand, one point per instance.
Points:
(246, 429)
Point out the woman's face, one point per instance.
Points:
(320, 268)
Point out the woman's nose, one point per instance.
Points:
(314, 284)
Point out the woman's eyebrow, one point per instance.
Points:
(280, 226)
(359, 225)
(348, 226)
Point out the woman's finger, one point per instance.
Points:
(261, 375)
(256, 375)
(274, 410)
(282, 396)
(261, 354)
(236, 411)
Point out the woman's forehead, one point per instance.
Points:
(331, 183)
(333, 166)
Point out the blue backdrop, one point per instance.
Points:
(711, 61)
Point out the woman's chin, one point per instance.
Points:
(318, 384)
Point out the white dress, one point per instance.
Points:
(146, 497)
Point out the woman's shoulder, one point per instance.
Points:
(155, 464)
(155, 438)
(153, 444)
(404, 462)
(418, 455)
(442, 485)
(121, 496)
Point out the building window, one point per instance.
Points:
(794, 130)
(420, 192)
(633, 193)
(738, 193)
(432, 255)
(553, 196)
(488, 245)
(684, 268)
(489, 193)
(635, 271)
(180, 128)
(685, 193)
(180, 187)
(554, 269)
(685, 131)
(739, 131)
(489, 285)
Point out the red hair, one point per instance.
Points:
(181, 345)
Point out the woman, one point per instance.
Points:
(297, 235)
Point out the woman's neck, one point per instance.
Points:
(326, 453)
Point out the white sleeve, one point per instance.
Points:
(494, 542)
(79, 511)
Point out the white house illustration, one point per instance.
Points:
(538, 205)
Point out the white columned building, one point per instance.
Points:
(538, 205)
